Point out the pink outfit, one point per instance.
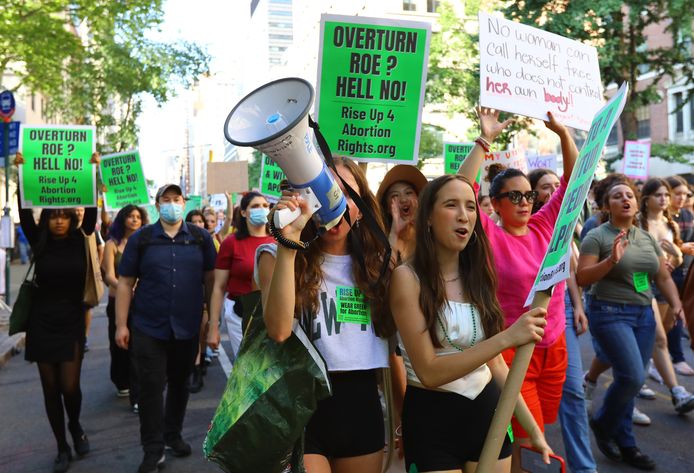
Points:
(517, 260)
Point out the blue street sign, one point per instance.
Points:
(14, 138)
(7, 104)
(13, 133)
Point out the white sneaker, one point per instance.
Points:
(123, 393)
(646, 393)
(683, 369)
(588, 391)
(639, 418)
(653, 373)
(682, 399)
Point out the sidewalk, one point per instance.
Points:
(10, 346)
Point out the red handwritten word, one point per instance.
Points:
(498, 87)
(560, 99)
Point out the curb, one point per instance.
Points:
(11, 346)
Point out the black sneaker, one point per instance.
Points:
(62, 461)
(79, 439)
(178, 447)
(634, 457)
(151, 463)
(605, 443)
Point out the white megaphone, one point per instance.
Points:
(274, 120)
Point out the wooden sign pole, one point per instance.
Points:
(509, 397)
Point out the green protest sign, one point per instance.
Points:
(454, 154)
(371, 77)
(555, 265)
(122, 176)
(152, 212)
(193, 202)
(57, 172)
(270, 177)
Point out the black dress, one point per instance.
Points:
(57, 317)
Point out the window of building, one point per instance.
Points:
(432, 6)
(33, 102)
(679, 113)
(409, 5)
(691, 112)
(280, 36)
(645, 67)
(643, 122)
(613, 137)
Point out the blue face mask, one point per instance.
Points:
(258, 216)
(170, 212)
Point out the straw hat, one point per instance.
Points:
(402, 173)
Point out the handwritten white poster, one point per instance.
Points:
(636, 155)
(510, 158)
(545, 161)
(528, 71)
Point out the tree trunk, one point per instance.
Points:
(629, 125)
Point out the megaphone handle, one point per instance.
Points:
(284, 217)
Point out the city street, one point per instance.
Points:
(27, 444)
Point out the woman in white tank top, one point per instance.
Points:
(451, 328)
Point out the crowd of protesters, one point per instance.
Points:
(446, 317)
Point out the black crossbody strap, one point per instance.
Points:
(367, 213)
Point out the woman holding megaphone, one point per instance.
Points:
(346, 432)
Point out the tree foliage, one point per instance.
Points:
(93, 60)
(619, 30)
(453, 78)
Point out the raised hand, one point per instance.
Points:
(490, 127)
(619, 246)
(554, 125)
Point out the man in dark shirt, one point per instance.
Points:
(172, 264)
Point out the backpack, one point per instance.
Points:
(146, 240)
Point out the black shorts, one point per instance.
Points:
(444, 430)
(350, 422)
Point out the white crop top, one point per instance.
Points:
(346, 346)
(457, 319)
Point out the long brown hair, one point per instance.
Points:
(476, 264)
(649, 188)
(308, 273)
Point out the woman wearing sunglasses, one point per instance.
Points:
(519, 243)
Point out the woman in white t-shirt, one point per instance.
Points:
(346, 433)
(451, 328)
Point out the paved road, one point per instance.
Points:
(26, 443)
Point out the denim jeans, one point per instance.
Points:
(160, 364)
(572, 410)
(626, 334)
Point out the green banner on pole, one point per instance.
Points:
(270, 177)
(371, 79)
(555, 265)
(193, 202)
(454, 154)
(57, 172)
(122, 176)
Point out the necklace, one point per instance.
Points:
(474, 329)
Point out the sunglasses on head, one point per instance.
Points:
(516, 196)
